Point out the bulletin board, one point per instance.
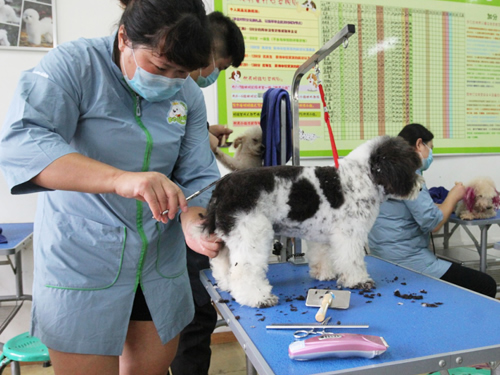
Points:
(432, 62)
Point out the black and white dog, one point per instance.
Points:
(334, 208)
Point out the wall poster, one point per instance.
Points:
(435, 62)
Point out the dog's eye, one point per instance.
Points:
(479, 196)
(255, 140)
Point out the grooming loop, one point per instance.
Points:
(326, 115)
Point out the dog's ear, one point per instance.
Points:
(470, 198)
(496, 200)
(237, 142)
(393, 165)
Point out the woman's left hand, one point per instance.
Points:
(196, 238)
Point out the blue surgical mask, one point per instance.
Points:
(207, 81)
(426, 163)
(153, 87)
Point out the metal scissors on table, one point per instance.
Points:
(301, 333)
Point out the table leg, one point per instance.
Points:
(495, 368)
(250, 369)
(19, 275)
(14, 368)
(484, 244)
(446, 235)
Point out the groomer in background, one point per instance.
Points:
(402, 230)
(193, 353)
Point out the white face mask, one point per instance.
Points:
(153, 87)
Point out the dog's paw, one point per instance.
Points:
(223, 285)
(272, 300)
(323, 276)
(356, 284)
(322, 273)
(466, 215)
(367, 285)
(255, 299)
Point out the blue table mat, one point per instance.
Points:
(462, 320)
(15, 233)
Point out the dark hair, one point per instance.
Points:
(412, 132)
(227, 37)
(175, 29)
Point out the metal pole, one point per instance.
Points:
(341, 37)
(323, 52)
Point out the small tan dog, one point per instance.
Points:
(481, 200)
(249, 150)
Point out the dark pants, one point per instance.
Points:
(468, 278)
(193, 353)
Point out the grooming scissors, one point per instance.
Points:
(301, 333)
(194, 195)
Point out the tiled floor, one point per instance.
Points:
(227, 359)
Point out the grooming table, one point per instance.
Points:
(481, 245)
(461, 330)
(19, 237)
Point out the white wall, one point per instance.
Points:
(92, 18)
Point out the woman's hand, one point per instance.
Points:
(218, 134)
(154, 188)
(196, 238)
(457, 192)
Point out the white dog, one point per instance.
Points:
(249, 150)
(334, 208)
(37, 28)
(7, 13)
(481, 200)
(4, 39)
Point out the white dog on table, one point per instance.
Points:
(334, 208)
(481, 200)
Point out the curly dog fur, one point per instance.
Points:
(249, 150)
(481, 200)
(334, 208)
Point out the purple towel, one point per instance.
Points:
(3, 239)
(438, 194)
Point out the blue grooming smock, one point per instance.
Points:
(401, 234)
(91, 251)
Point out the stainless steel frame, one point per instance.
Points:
(340, 38)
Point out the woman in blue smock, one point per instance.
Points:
(112, 132)
(402, 229)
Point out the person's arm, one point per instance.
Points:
(449, 204)
(76, 172)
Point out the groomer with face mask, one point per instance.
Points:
(401, 232)
(193, 354)
(111, 132)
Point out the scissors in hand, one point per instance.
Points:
(196, 193)
(301, 333)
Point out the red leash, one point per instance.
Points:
(327, 119)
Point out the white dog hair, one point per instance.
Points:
(7, 13)
(37, 28)
(334, 208)
(4, 39)
(249, 150)
(481, 200)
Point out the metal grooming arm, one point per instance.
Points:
(341, 37)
